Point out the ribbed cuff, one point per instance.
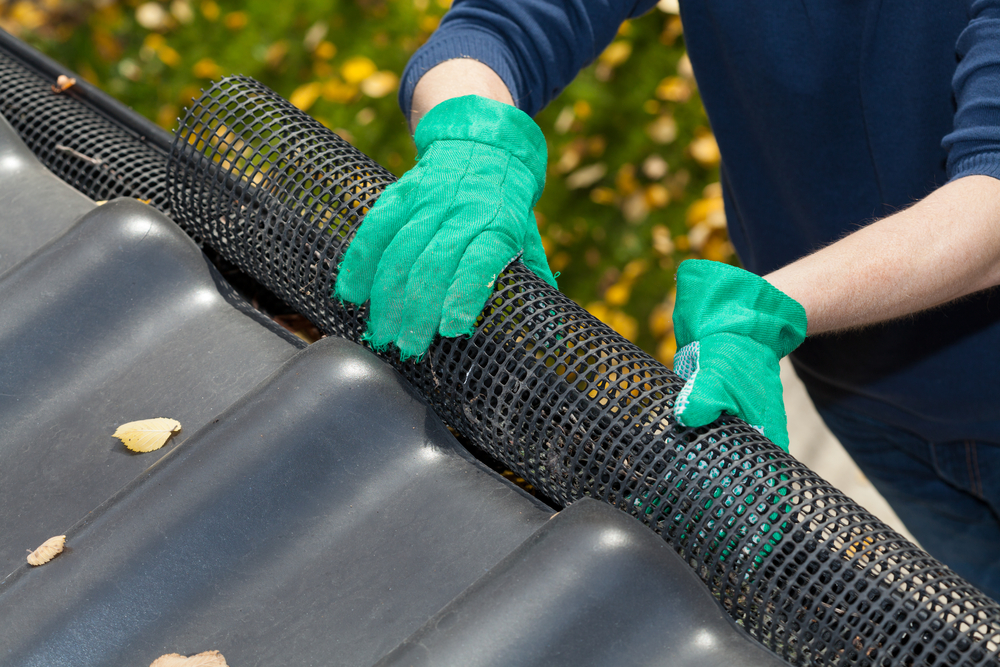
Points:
(986, 163)
(714, 298)
(474, 44)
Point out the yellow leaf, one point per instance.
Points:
(663, 130)
(718, 249)
(357, 69)
(306, 95)
(235, 20)
(661, 240)
(674, 89)
(699, 235)
(634, 269)
(152, 16)
(210, 10)
(206, 659)
(618, 294)
(625, 181)
(654, 167)
(338, 91)
(669, 6)
(635, 209)
(147, 435)
(27, 16)
(379, 84)
(206, 68)
(604, 196)
(169, 56)
(50, 548)
(598, 309)
(586, 176)
(707, 210)
(326, 50)
(657, 196)
(182, 11)
(616, 53)
(705, 150)
(154, 41)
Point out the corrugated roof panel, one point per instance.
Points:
(320, 520)
(24, 184)
(118, 319)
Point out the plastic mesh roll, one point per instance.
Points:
(579, 411)
(75, 141)
(542, 386)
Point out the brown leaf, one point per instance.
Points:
(206, 659)
(51, 548)
(147, 435)
(62, 83)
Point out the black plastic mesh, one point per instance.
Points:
(542, 386)
(76, 142)
(579, 411)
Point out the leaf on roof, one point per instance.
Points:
(63, 83)
(206, 659)
(147, 435)
(51, 548)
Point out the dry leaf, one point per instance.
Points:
(206, 659)
(147, 435)
(62, 83)
(51, 548)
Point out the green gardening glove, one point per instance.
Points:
(732, 328)
(429, 252)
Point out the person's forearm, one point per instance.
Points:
(943, 247)
(455, 78)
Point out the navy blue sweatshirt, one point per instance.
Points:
(828, 115)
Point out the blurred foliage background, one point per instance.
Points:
(633, 167)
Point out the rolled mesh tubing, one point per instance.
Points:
(579, 411)
(541, 386)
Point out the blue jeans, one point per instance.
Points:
(947, 493)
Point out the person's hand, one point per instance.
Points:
(732, 328)
(429, 252)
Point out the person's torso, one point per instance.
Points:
(830, 114)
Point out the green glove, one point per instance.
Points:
(732, 328)
(429, 252)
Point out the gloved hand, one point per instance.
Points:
(732, 328)
(429, 252)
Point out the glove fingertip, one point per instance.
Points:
(347, 290)
(413, 345)
(459, 325)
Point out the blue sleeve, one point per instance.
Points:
(535, 46)
(974, 144)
